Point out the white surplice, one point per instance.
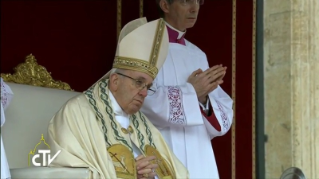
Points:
(174, 110)
(6, 97)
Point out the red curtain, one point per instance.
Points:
(244, 89)
(76, 42)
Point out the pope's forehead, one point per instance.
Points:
(140, 75)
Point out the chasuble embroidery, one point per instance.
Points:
(123, 161)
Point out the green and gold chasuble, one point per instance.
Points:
(94, 127)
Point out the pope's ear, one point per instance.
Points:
(114, 81)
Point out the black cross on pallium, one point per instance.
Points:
(114, 155)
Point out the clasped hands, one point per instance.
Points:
(145, 168)
(206, 81)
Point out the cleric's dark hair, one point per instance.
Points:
(201, 2)
(159, 8)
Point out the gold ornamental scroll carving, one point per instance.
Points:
(31, 73)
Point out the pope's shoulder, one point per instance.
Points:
(76, 102)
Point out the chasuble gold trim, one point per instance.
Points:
(163, 171)
(123, 161)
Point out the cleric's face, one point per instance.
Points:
(183, 13)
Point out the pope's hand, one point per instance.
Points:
(145, 168)
(207, 81)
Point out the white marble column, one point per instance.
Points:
(291, 71)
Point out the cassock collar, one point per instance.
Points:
(174, 33)
(118, 111)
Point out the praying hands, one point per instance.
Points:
(207, 81)
(145, 168)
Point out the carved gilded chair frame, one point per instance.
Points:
(31, 73)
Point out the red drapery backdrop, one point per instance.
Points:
(76, 42)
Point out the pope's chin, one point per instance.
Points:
(135, 106)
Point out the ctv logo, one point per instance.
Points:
(44, 154)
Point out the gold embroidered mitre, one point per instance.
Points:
(142, 46)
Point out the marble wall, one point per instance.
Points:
(291, 81)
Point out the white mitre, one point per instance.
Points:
(142, 46)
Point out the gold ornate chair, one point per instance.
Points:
(37, 97)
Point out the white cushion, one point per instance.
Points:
(27, 117)
(49, 173)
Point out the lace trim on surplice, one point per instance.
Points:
(223, 116)
(176, 109)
